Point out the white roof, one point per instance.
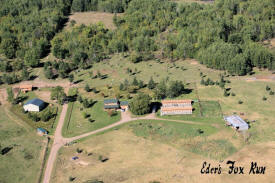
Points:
(235, 121)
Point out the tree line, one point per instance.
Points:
(224, 35)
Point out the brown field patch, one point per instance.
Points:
(44, 95)
(88, 18)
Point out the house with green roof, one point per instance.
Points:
(115, 104)
(111, 104)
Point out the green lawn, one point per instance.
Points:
(22, 163)
(78, 124)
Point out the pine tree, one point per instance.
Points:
(87, 88)
(151, 84)
(135, 82)
(121, 87)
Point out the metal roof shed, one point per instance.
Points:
(34, 105)
(237, 122)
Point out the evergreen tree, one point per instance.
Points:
(135, 82)
(151, 84)
(87, 88)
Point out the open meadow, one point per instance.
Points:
(147, 151)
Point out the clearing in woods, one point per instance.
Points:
(88, 18)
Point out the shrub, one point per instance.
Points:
(271, 93)
(267, 88)
(264, 98)
(71, 179)
(85, 115)
(240, 102)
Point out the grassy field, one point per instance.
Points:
(22, 163)
(144, 151)
(76, 124)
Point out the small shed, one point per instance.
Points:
(237, 122)
(111, 104)
(25, 88)
(42, 131)
(124, 105)
(34, 105)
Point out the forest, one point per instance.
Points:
(224, 35)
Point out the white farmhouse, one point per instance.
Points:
(34, 105)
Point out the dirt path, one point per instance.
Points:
(57, 144)
(60, 141)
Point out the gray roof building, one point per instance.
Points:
(111, 104)
(237, 122)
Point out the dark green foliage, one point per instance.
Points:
(71, 78)
(151, 84)
(267, 88)
(222, 36)
(87, 103)
(140, 104)
(271, 93)
(264, 98)
(87, 88)
(112, 6)
(175, 89)
(25, 75)
(240, 102)
(10, 95)
(140, 84)
(121, 86)
(27, 26)
(225, 93)
(58, 94)
(160, 91)
(135, 82)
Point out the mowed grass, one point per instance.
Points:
(76, 124)
(22, 163)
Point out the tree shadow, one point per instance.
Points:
(187, 91)
(32, 77)
(78, 81)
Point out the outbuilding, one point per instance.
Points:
(34, 105)
(25, 88)
(124, 105)
(236, 122)
(42, 131)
